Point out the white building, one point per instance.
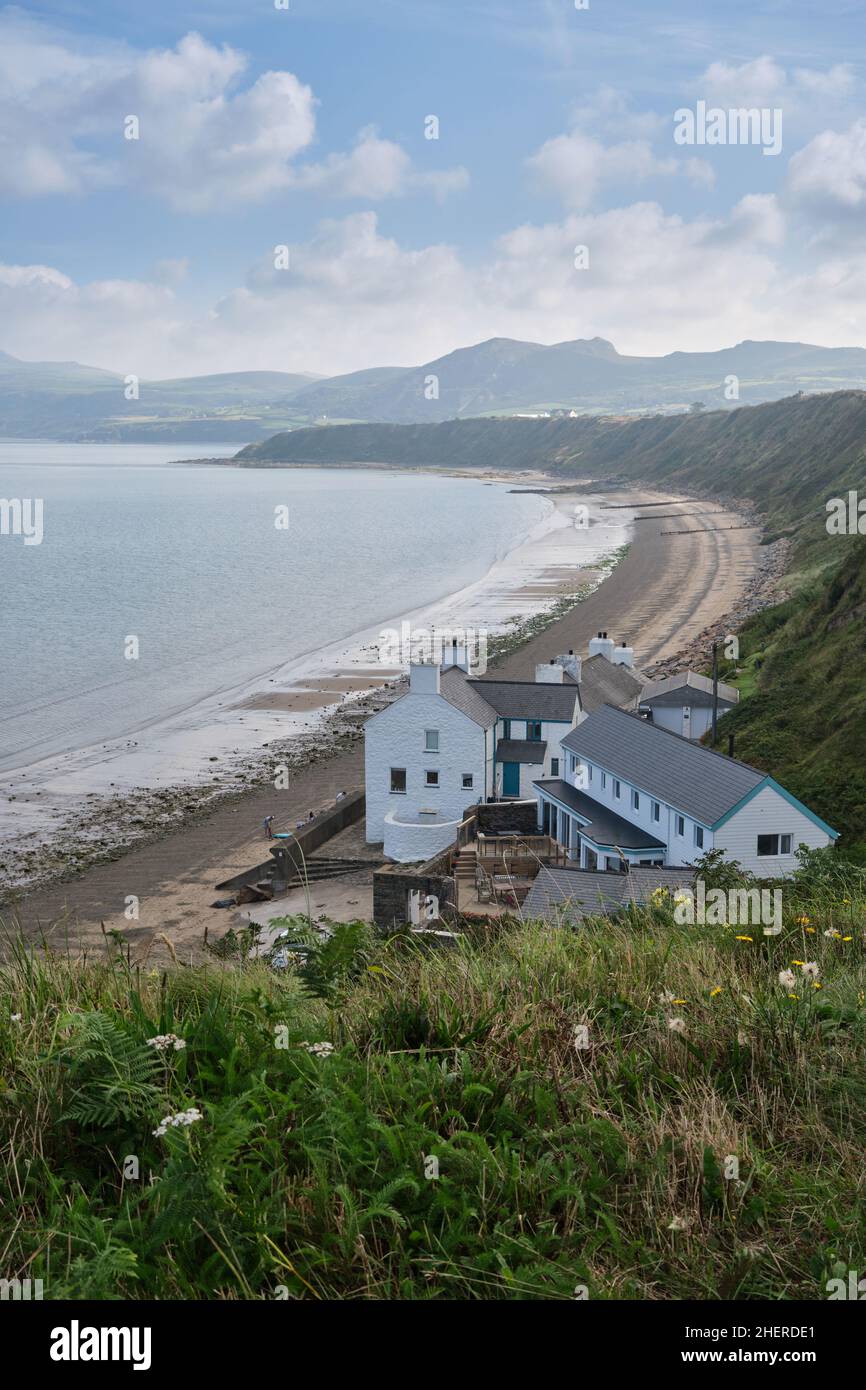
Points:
(684, 703)
(451, 741)
(632, 792)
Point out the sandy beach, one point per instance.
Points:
(66, 811)
(688, 563)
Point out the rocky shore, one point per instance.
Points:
(765, 589)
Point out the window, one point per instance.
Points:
(554, 767)
(769, 845)
(617, 788)
(431, 740)
(431, 777)
(635, 801)
(398, 780)
(533, 729)
(603, 780)
(699, 836)
(681, 825)
(657, 811)
(468, 781)
(506, 728)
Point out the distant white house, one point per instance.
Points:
(633, 793)
(684, 703)
(452, 740)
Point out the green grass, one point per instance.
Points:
(601, 1167)
(802, 714)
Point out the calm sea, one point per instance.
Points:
(191, 562)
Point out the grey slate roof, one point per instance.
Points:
(571, 894)
(701, 783)
(456, 687)
(604, 827)
(530, 699)
(686, 688)
(603, 683)
(521, 750)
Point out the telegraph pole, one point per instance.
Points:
(715, 690)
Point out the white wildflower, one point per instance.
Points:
(15, 1018)
(319, 1049)
(787, 979)
(666, 997)
(809, 968)
(677, 1025)
(680, 1223)
(182, 1118)
(163, 1041)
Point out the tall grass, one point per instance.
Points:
(626, 1161)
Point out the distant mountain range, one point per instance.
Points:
(500, 377)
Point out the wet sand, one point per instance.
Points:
(667, 590)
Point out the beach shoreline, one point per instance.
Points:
(63, 814)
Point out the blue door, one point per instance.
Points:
(511, 779)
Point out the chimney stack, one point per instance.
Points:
(570, 664)
(549, 674)
(602, 645)
(423, 678)
(623, 655)
(456, 654)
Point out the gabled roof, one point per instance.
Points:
(683, 688)
(456, 687)
(701, 783)
(521, 750)
(572, 894)
(603, 683)
(601, 825)
(530, 699)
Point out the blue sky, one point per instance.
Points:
(260, 127)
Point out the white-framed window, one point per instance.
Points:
(657, 811)
(635, 801)
(681, 825)
(431, 777)
(398, 781)
(603, 780)
(699, 836)
(431, 740)
(617, 788)
(770, 845)
(468, 781)
(554, 767)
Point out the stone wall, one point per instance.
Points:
(288, 855)
(393, 884)
(495, 817)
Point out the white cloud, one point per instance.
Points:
(204, 140)
(575, 166)
(764, 82)
(376, 169)
(356, 298)
(830, 173)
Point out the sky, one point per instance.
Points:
(328, 185)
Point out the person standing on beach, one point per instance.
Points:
(269, 827)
